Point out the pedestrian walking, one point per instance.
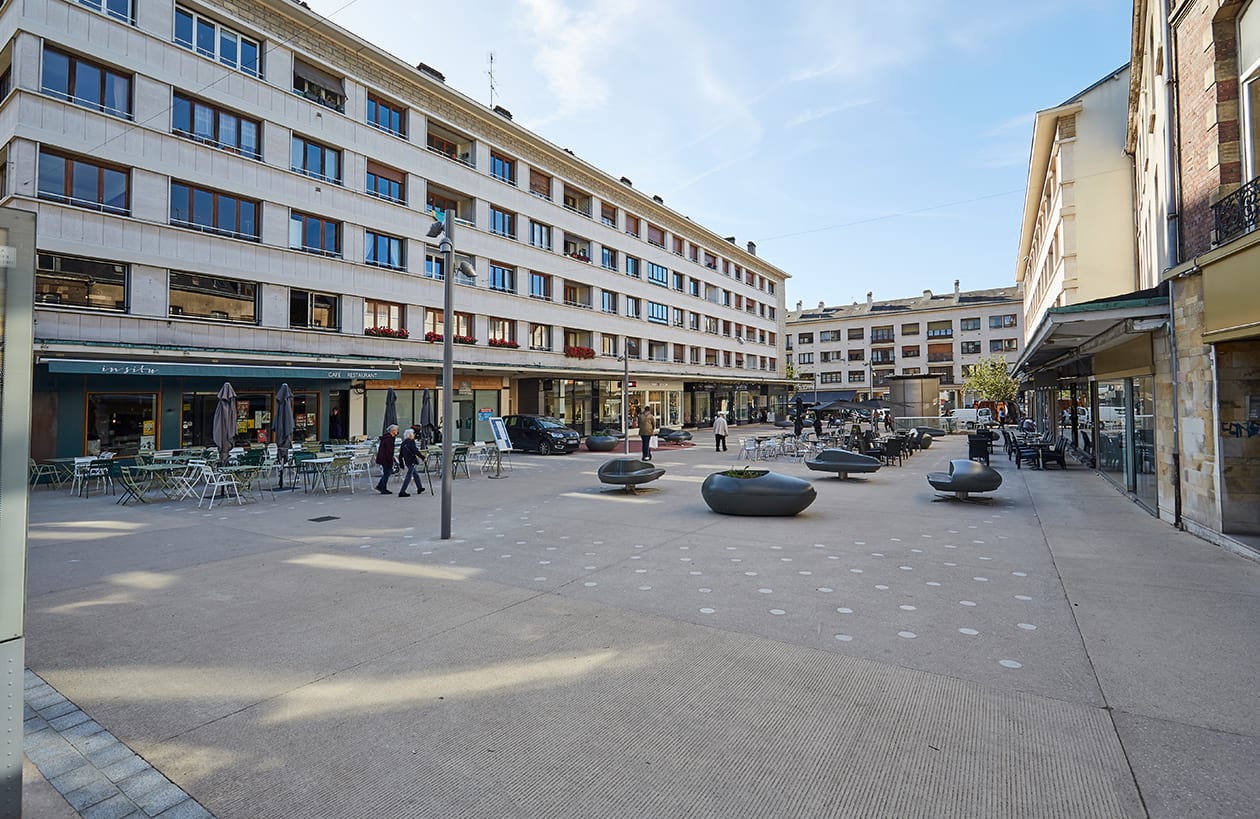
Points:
(720, 431)
(888, 422)
(818, 424)
(385, 458)
(798, 424)
(410, 454)
(647, 428)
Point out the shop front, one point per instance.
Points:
(89, 406)
(475, 400)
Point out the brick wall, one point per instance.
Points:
(1208, 115)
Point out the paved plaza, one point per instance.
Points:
(575, 651)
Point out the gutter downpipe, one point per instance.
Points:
(1174, 245)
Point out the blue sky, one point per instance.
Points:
(863, 146)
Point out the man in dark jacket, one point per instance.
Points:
(385, 458)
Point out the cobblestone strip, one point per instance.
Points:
(98, 775)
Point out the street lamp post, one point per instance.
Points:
(446, 229)
(625, 398)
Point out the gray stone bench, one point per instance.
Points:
(965, 477)
(628, 473)
(842, 462)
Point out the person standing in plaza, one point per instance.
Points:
(410, 454)
(720, 431)
(647, 428)
(385, 458)
(817, 423)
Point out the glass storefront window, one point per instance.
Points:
(1144, 485)
(253, 416)
(74, 282)
(120, 422)
(1113, 455)
(305, 416)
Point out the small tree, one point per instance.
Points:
(991, 379)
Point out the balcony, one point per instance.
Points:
(450, 145)
(577, 248)
(1237, 214)
(577, 201)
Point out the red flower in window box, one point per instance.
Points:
(464, 339)
(387, 332)
(579, 352)
(432, 336)
(502, 342)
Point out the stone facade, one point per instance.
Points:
(1238, 376)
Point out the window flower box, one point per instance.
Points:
(505, 343)
(387, 332)
(579, 352)
(432, 336)
(464, 339)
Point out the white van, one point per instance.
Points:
(972, 418)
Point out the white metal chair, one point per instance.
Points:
(748, 449)
(40, 471)
(213, 481)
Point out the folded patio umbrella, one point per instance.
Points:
(426, 419)
(391, 410)
(282, 426)
(225, 421)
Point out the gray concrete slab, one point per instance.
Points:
(580, 652)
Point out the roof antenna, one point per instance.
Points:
(490, 73)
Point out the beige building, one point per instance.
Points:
(241, 191)
(849, 351)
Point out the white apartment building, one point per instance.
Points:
(240, 191)
(848, 352)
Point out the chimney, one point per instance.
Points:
(730, 239)
(752, 249)
(870, 298)
(799, 305)
(822, 305)
(503, 112)
(957, 293)
(927, 295)
(658, 200)
(626, 181)
(432, 72)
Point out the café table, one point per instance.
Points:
(160, 476)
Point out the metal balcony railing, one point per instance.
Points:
(1237, 213)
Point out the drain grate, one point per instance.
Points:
(324, 519)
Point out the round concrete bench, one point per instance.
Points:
(628, 473)
(842, 462)
(965, 477)
(601, 443)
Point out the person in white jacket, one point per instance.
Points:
(719, 431)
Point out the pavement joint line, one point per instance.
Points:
(82, 782)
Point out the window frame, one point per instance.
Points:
(180, 98)
(394, 314)
(51, 267)
(377, 103)
(501, 277)
(249, 293)
(325, 224)
(372, 240)
(325, 151)
(237, 63)
(217, 197)
(311, 296)
(389, 175)
(72, 77)
(67, 196)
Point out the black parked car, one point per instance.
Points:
(541, 434)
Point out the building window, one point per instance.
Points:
(83, 183)
(608, 214)
(805, 358)
(539, 336)
(857, 355)
(540, 184)
(940, 329)
(632, 307)
(693, 287)
(693, 321)
(309, 310)
(609, 301)
(1001, 322)
(805, 338)
(502, 222)
(434, 266)
(382, 315)
(502, 332)
(86, 84)
(655, 235)
(970, 347)
(386, 183)
(214, 126)
(502, 168)
(539, 286)
(608, 258)
(677, 316)
(318, 86)
(856, 333)
(71, 281)
(657, 274)
(658, 313)
(192, 295)
(502, 278)
(608, 345)
(882, 335)
(116, 423)
(314, 234)
(969, 324)
(679, 281)
(388, 116)
(910, 352)
(857, 377)
(540, 235)
(383, 250)
(711, 325)
(1003, 345)
(118, 9)
(910, 329)
(214, 212)
(632, 225)
(315, 160)
(632, 266)
(216, 42)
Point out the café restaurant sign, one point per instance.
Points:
(180, 368)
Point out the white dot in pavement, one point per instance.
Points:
(1027, 626)
(640, 571)
(777, 548)
(777, 612)
(972, 527)
(704, 591)
(684, 560)
(805, 573)
(551, 548)
(479, 548)
(503, 556)
(590, 583)
(695, 573)
(638, 546)
(588, 554)
(844, 638)
(544, 563)
(706, 611)
(597, 543)
(636, 557)
(833, 557)
(1010, 664)
(737, 560)
(785, 559)
(877, 554)
(750, 574)
(856, 571)
(952, 531)
(906, 568)
(925, 535)
(825, 589)
(539, 579)
(844, 610)
(966, 602)
(766, 591)
(895, 539)
(645, 588)
(909, 635)
(932, 583)
(881, 587)
(985, 558)
(1020, 574)
(820, 546)
(859, 543)
(907, 608)
(950, 546)
(951, 564)
(920, 551)
(728, 548)
(520, 543)
(970, 632)
(1022, 597)
(981, 579)
(977, 541)
(588, 568)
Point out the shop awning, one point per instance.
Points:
(1068, 334)
(226, 371)
(826, 396)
